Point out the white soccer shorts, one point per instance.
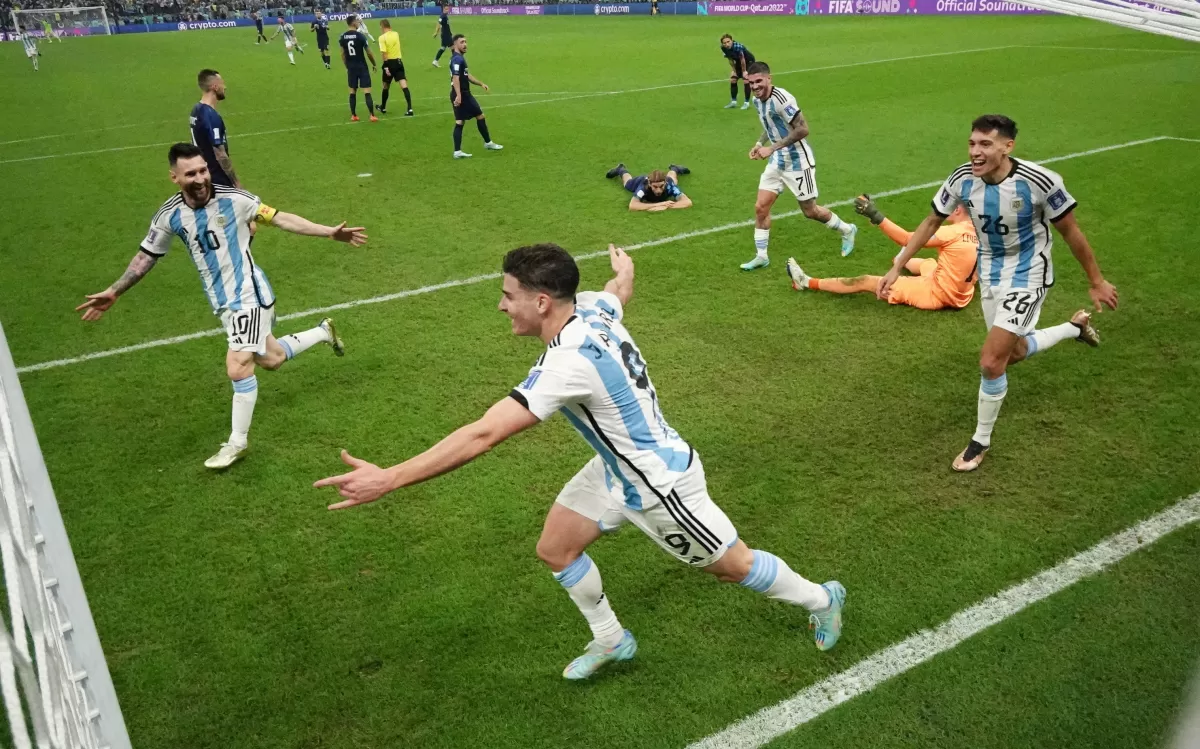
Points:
(686, 523)
(287, 45)
(248, 329)
(1014, 310)
(802, 182)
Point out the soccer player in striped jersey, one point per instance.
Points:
(790, 163)
(1012, 204)
(644, 473)
(289, 38)
(31, 49)
(215, 224)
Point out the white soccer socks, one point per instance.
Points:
(771, 576)
(297, 343)
(1040, 340)
(582, 580)
(835, 223)
(991, 397)
(761, 237)
(245, 395)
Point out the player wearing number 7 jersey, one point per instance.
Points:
(1011, 204)
(215, 224)
(643, 473)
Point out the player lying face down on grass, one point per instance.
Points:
(656, 191)
(644, 473)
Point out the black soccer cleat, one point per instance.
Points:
(679, 169)
(409, 113)
(382, 109)
(616, 171)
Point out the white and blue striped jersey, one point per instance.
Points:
(593, 373)
(218, 238)
(1012, 221)
(776, 113)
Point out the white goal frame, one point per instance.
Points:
(1177, 18)
(63, 684)
(64, 12)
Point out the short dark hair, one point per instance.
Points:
(205, 78)
(385, 24)
(182, 151)
(456, 37)
(758, 68)
(546, 268)
(726, 36)
(351, 19)
(998, 122)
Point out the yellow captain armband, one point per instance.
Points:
(265, 214)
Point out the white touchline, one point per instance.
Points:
(551, 100)
(818, 699)
(587, 256)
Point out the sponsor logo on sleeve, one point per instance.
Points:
(1057, 199)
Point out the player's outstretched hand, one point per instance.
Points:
(884, 289)
(1102, 294)
(658, 207)
(484, 86)
(355, 235)
(97, 304)
(366, 483)
(620, 259)
(864, 206)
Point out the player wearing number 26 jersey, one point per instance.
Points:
(644, 473)
(1012, 205)
(215, 225)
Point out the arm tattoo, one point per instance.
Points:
(225, 162)
(764, 139)
(138, 268)
(797, 131)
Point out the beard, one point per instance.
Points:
(200, 192)
(220, 96)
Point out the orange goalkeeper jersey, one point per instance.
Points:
(958, 247)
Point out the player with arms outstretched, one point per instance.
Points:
(945, 283)
(1012, 204)
(289, 38)
(443, 28)
(48, 32)
(320, 26)
(784, 146)
(215, 224)
(355, 53)
(644, 473)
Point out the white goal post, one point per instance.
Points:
(85, 21)
(1177, 18)
(63, 685)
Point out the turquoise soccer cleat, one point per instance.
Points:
(827, 623)
(848, 240)
(597, 656)
(758, 262)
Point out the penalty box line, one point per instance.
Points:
(53, 364)
(812, 702)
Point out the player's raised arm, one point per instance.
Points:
(621, 284)
(97, 304)
(1100, 290)
(368, 482)
(290, 222)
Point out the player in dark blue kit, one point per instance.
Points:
(321, 26)
(258, 24)
(443, 28)
(656, 191)
(739, 59)
(465, 106)
(354, 47)
(208, 129)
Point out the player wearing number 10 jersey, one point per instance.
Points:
(1012, 203)
(215, 224)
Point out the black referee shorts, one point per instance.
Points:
(468, 110)
(393, 70)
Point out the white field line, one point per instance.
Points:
(812, 702)
(492, 276)
(550, 100)
(1112, 49)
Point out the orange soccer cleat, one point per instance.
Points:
(354, 118)
(374, 118)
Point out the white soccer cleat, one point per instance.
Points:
(746, 105)
(797, 274)
(461, 155)
(435, 64)
(731, 105)
(226, 456)
(493, 146)
(335, 340)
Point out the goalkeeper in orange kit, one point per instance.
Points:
(945, 283)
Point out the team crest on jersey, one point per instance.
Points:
(1017, 204)
(221, 221)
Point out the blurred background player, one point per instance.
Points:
(465, 106)
(49, 32)
(1012, 204)
(443, 28)
(320, 25)
(656, 191)
(393, 66)
(31, 50)
(214, 223)
(258, 24)
(208, 129)
(739, 59)
(945, 283)
(289, 38)
(355, 53)
(784, 146)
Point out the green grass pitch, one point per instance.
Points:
(236, 612)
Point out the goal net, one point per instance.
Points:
(1177, 18)
(63, 21)
(53, 676)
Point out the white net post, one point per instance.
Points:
(1177, 18)
(64, 685)
(86, 21)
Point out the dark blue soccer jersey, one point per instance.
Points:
(458, 66)
(444, 20)
(354, 46)
(736, 51)
(208, 132)
(321, 26)
(640, 187)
